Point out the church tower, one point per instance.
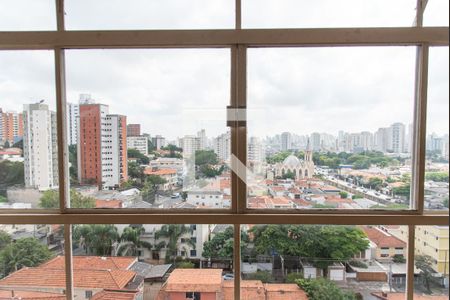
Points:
(308, 153)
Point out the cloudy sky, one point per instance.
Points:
(176, 92)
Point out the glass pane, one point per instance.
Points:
(431, 262)
(17, 15)
(28, 138)
(154, 261)
(142, 14)
(322, 262)
(436, 13)
(173, 105)
(436, 172)
(27, 256)
(327, 13)
(340, 127)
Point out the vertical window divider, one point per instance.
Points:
(63, 163)
(237, 261)
(238, 16)
(410, 263)
(420, 130)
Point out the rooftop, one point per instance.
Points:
(56, 278)
(383, 239)
(29, 295)
(92, 263)
(199, 280)
(114, 295)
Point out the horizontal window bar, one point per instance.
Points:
(325, 219)
(435, 36)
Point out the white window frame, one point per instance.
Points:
(237, 40)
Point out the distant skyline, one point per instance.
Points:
(174, 92)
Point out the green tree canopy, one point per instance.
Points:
(221, 245)
(318, 243)
(50, 199)
(206, 157)
(343, 194)
(11, 173)
(425, 264)
(96, 239)
(173, 232)
(323, 289)
(5, 239)
(141, 158)
(25, 252)
(437, 176)
(131, 242)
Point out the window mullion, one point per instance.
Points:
(237, 261)
(238, 12)
(410, 263)
(420, 115)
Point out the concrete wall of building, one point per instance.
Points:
(24, 195)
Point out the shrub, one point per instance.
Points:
(358, 264)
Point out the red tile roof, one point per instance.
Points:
(382, 239)
(115, 295)
(284, 292)
(250, 290)
(29, 295)
(92, 263)
(160, 172)
(108, 203)
(42, 277)
(199, 280)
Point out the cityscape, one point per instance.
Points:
(115, 165)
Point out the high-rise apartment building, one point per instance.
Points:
(102, 147)
(222, 146)
(316, 141)
(139, 143)
(73, 113)
(396, 138)
(11, 127)
(40, 147)
(203, 140)
(158, 141)
(133, 129)
(286, 141)
(190, 144)
(381, 139)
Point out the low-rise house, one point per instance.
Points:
(27, 295)
(208, 284)
(170, 175)
(207, 198)
(387, 244)
(91, 275)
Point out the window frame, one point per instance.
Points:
(238, 40)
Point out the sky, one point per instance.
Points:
(177, 92)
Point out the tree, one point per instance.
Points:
(25, 252)
(3, 199)
(185, 265)
(73, 159)
(288, 175)
(318, 243)
(206, 157)
(375, 183)
(11, 173)
(445, 202)
(323, 289)
(18, 144)
(398, 259)
(141, 158)
(136, 172)
(5, 239)
(150, 189)
(50, 199)
(130, 241)
(263, 276)
(221, 245)
(404, 190)
(96, 239)
(343, 194)
(173, 233)
(437, 176)
(424, 263)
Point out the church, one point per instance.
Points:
(300, 168)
